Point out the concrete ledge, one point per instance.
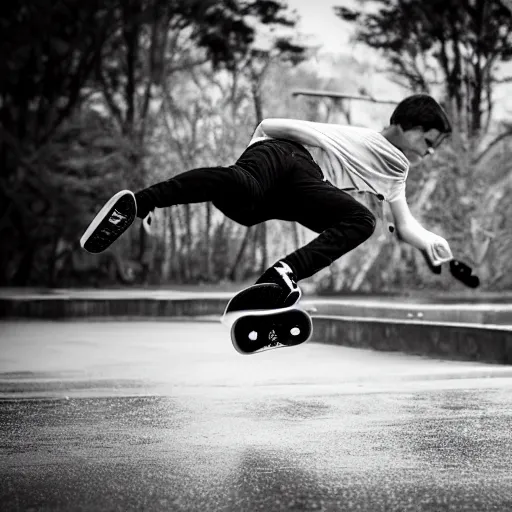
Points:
(486, 313)
(447, 340)
(94, 303)
(389, 326)
(58, 308)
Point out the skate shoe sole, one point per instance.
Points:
(110, 223)
(266, 330)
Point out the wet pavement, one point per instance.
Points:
(167, 416)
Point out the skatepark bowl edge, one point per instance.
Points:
(474, 332)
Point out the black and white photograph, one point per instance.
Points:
(255, 255)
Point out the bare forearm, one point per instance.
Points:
(435, 247)
(413, 233)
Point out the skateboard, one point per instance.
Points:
(257, 323)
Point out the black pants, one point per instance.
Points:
(274, 179)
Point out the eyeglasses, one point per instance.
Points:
(434, 144)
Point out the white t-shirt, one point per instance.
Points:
(350, 157)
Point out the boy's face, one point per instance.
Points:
(416, 143)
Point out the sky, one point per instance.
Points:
(322, 28)
(318, 19)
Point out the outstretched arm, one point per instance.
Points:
(412, 232)
(303, 132)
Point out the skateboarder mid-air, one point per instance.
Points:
(276, 177)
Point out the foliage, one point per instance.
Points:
(448, 43)
(99, 96)
(454, 50)
(63, 59)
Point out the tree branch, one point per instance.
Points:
(493, 143)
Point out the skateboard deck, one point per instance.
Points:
(257, 323)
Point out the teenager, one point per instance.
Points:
(277, 177)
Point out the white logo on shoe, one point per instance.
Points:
(283, 270)
(116, 217)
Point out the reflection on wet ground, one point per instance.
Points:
(434, 450)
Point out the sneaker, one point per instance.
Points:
(282, 275)
(110, 223)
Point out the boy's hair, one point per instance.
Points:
(421, 110)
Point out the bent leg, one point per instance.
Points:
(343, 224)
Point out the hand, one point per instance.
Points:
(438, 250)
